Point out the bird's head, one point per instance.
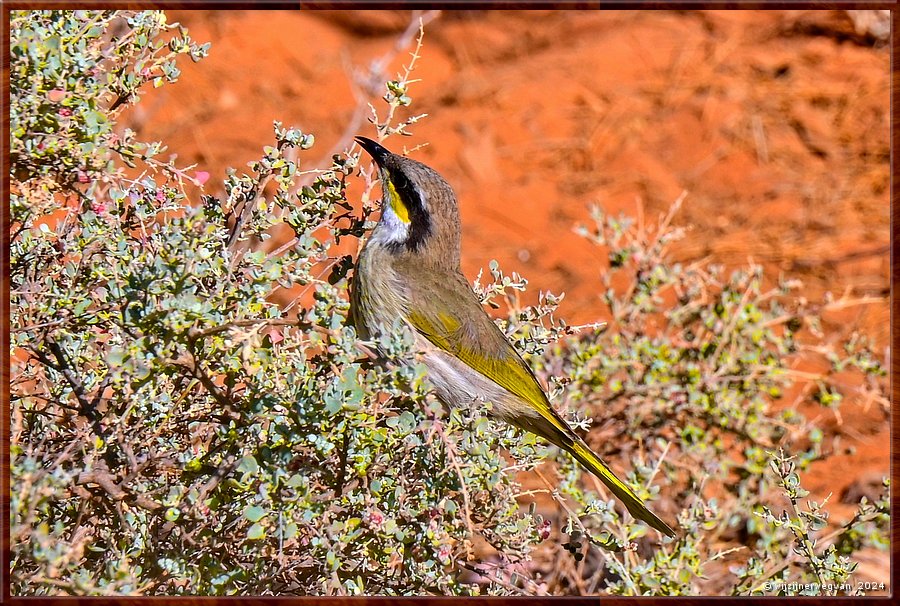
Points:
(419, 212)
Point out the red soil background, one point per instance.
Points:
(775, 122)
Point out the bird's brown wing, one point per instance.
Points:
(445, 311)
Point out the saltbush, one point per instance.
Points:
(176, 432)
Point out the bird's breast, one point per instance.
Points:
(380, 295)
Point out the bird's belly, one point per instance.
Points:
(457, 384)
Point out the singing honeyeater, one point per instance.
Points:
(409, 270)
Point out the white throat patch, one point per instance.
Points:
(390, 229)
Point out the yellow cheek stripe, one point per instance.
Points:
(397, 204)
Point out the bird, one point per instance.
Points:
(408, 271)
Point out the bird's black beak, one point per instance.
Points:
(378, 153)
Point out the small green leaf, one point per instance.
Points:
(256, 532)
(255, 513)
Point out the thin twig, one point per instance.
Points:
(467, 507)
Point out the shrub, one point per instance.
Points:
(175, 432)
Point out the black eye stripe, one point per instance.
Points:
(408, 192)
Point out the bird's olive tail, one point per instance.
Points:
(635, 506)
